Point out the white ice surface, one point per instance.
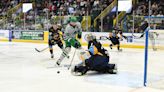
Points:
(22, 69)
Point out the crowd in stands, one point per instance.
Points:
(6, 5)
(156, 9)
(52, 8)
(46, 10)
(156, 12)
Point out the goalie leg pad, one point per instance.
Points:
(83, 55)
(79, 70)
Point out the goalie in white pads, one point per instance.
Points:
(95, 59)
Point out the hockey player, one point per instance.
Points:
(115, 40)
(152, 36)
(54, 38)
(95, 59)
(118, 31)
(72, 29)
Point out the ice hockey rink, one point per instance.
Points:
(22, 69)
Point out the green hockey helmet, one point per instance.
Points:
(73, 19)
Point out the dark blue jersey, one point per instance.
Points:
(99, 47)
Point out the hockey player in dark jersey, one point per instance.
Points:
(118, 31)
(54, 38)
(115, 40)
(115, 37)
(95, 59)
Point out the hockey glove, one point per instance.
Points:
(79, 35)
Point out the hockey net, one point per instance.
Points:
(156, 40)
(155, 65)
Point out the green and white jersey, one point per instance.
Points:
(70, 31)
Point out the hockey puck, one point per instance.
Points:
(58, 72)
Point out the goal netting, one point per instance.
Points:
(155, 61)
(156, 40)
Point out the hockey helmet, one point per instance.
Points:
(73, 19)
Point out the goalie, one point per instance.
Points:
(54, 38)
(95, 59)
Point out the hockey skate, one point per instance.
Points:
(113, 71)
(58, 62)
(120, 50)
(52, 55)
(78, 71)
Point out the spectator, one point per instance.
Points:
(160, 14)
(154, 6)
(96, 2)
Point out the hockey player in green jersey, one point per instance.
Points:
(72, 30)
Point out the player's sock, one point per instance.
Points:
(118, 47)
(51, 52)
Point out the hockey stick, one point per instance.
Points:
(103, 38)
(42, 49)
(100, 38)
(136, 37)
(47, 48)
(61, 66)
(142, 35)
(72, 60)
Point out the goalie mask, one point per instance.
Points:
(90, 37)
